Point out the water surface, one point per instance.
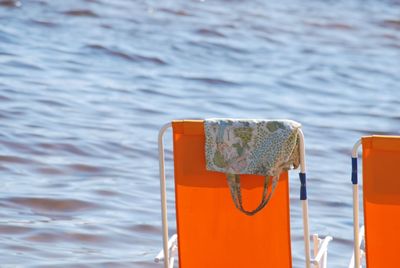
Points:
(86, 84)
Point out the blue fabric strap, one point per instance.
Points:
(354, 178)
(303, 187)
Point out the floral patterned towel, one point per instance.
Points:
(260, 147)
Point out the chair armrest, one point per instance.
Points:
(172, 247)
(361, 239)
(322, 249)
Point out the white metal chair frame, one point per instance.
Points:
(170, 246)
(358, 232)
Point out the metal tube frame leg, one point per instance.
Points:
(354, 180)
(304, 201)
(163, 190)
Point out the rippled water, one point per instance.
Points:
(86, 84)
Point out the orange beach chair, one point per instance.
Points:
(381, 200)
(211, 232)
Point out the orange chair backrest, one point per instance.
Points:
(212, 232)
(381, 191)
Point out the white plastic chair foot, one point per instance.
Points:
(172, 248)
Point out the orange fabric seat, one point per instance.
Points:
(381, 198)
(212, 232)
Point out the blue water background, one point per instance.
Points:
(86, 84)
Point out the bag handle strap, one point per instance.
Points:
(236, 192)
